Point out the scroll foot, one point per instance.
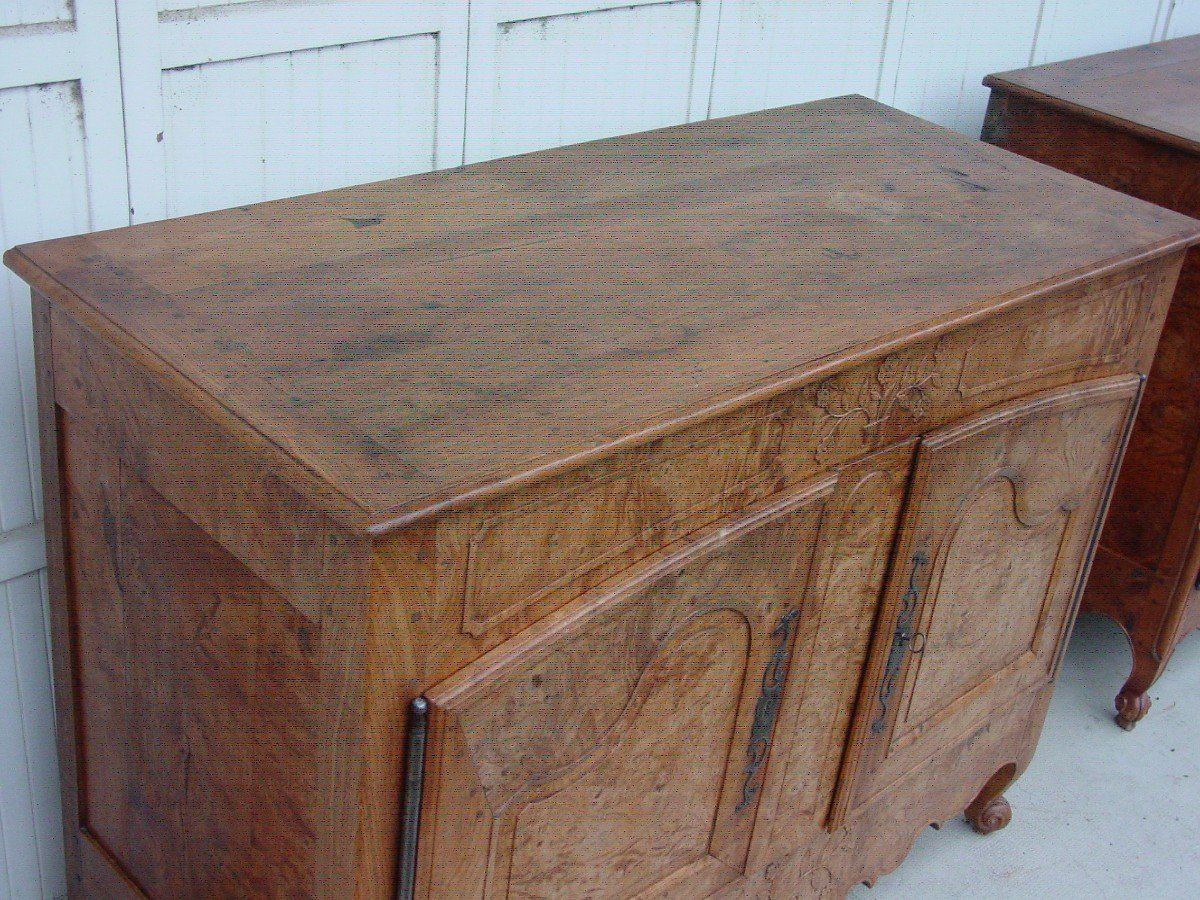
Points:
(1131, 707)
(987, 815)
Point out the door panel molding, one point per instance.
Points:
(938, 666)
(618, 708)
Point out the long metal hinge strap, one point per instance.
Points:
(767, 708)
(414, 783)
(902, 639)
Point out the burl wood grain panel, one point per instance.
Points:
(1026, 480)
(658, 763)
(1127, 120)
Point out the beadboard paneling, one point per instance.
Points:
(578, 73)
(939, 51)
(777, 52)
(229, 103)
(275, 126)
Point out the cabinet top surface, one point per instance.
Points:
(1153, 90)
(417, 342)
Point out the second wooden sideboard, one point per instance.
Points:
(1130, 120)
(694, 513)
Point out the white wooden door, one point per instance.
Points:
(229, 103)
(1181, 18)
(62, 171)
(777, 52)
(544, 73)
(939, 51)
(1071, 28)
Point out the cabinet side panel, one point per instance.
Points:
(200, 466)
(60, 625)
(197, 696)
(301, 548)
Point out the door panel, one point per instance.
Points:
(996, 530)
(620, 746)
(991, 636)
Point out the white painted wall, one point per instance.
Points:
(119, 111)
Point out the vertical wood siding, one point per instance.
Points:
(30, 829)
(547, 72)
(1079, 27)
(118, 113)
(772, 53)
(227, 104)
(62, 170)
(1182, 19)
(292, 123)
(570, 78)
(42, 183)
(943, 48)
(34, 12)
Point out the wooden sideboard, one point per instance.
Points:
(695, 513)
(1130, 120)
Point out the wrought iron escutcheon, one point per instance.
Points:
(767, 708)
(903, 639)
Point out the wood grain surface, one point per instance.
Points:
(1148, 90)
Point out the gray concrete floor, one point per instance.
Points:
(1100, 813)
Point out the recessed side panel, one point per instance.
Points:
(196, 692)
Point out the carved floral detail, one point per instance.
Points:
(902, 382)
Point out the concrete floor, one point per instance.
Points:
(1100, 813)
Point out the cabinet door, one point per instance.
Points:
(997, 528)
(619, 748)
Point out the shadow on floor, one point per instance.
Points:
(1101, 813)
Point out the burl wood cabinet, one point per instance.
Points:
(1130, 120)
(695, 513)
